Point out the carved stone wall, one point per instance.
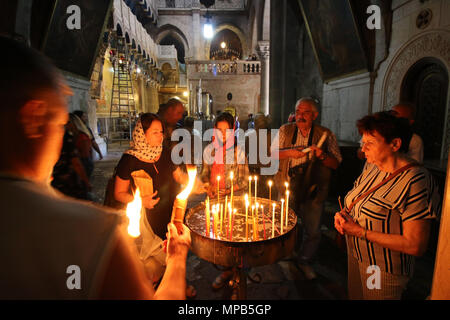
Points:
(434, 43)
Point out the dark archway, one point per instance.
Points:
(171, 40)
(226, 45)
(426, 86)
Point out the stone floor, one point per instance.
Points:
(282, 280)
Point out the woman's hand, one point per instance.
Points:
(178, 240)
(149, 202)
(344, 224)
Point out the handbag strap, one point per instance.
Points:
(392, 176)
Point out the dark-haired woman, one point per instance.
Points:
(147, 153)
(386, 227)
(221, 158)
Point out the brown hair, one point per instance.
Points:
(388, 126)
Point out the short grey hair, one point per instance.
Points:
(311, 101)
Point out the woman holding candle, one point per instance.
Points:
(386, 222)
(148, 154)
(220, 158)
(224, 158)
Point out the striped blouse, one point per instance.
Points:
(412, 195)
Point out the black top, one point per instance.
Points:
(65, 178)
(163, 181)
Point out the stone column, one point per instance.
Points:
(197, 33)
(264, 55)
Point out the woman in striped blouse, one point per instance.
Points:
(388, 227)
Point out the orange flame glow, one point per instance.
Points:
(183, 195)
(134, 215)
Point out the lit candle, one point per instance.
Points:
(255, 229)
(287, 205)
(287, 210)
(232, 224)
(264, 221)
(270, 190)
(256, 188)
(256, 221)
(246, 217)
(218, 188)
(207, 217)
(221, 217)
(229, 219)
(273, 220)
(231, 178)
(215, 220)
(253, 220)
(282, 208)
(250, 189)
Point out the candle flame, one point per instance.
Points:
(282, 200)
(286, 184)
(134, 215)
(273, 205)
(218, 178)
(183, 195)
(256, 178)
(250, 178)
(270, 183)
(231, 175)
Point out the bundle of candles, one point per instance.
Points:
(225, 217)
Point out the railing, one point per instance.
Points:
(188, 4)
(225, 67)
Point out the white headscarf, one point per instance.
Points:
(140, 147)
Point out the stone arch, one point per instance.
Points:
(119, 31)
(237, 31)
(174, 31)
(432, 44)
(435, 44)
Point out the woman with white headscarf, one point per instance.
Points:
(147, 153)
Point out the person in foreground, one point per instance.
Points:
(53, 246)
(386, 222)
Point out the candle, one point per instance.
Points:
(281, 218)
(287, 209)
(264, 221)
(250, 189)
(270, 190)
(253, 220)
(221, 217)
(232, 224)
(215, 220)
(273, 220)
(218, 188)
(287, 205)
(207, 217)
(231, 178)
(229, 219)
(282, 208)
(256, 188)
(246, 217)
